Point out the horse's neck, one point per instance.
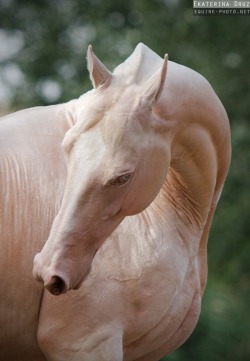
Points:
(185, 199)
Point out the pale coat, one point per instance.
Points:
(125, 205)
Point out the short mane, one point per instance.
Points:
(139, 67)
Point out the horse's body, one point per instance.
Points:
(143, 275)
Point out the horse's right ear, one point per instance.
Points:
(154, 85)
(99, 74)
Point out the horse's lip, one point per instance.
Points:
(78, 285)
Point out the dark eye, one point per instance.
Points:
(121, 180)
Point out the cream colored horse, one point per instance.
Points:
(147, 152)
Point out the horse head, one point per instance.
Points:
(118, 155)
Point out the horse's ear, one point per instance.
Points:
(99, 74)
(154, 84)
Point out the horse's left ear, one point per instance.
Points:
(154, 84)
(99, 74)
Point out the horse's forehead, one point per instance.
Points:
(112, 111)
(116, 98)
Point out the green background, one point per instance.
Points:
(42, 61)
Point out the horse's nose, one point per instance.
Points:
(53, 280)
(56, 285)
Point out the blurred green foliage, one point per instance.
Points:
(42, 61)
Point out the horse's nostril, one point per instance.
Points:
(56, 286)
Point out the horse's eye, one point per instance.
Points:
(121, 180)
